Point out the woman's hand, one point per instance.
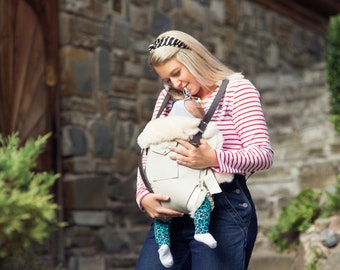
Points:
(194, 157)
(152, 203)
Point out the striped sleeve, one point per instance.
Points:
(250, 150)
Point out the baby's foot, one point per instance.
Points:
(165, 256)
(206, 238)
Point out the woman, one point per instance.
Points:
(183, 62)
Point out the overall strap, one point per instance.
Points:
(203, 124)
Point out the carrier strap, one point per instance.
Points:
(204, 123)
(165, 102)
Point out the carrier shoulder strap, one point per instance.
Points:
(203, 124)
(165, 102)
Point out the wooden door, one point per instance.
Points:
(24, 100)
(24, 94)
(28, 64)
(29, 102)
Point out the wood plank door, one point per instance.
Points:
(24, 94)
(29, 100)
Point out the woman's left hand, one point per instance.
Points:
(194, 157)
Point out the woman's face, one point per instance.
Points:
(176, 75)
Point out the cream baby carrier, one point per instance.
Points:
(186, 187)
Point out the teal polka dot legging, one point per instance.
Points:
(201, 222)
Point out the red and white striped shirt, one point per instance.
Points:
(240, 119)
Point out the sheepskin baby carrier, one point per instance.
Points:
(186, 187)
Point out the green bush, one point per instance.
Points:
(295, 218)
(300, 213)
(28, 213)
(333, 69)
(332, 204)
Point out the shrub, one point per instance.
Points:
(333, 69)
(300, 213)
(28, 213)
(332, 203)
(295, 218)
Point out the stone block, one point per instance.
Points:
(89, 218)
(333, 261)
(139, 18)
(77, 71)
(121, 33)
(269, 190)
(65, 24)
(121, 261)
(79, 237)
(270, 260)
(111, 240)
(149, 87)
(133, 69)
(140, 46)
(126, 109)
(315, 77)
(218, 13)
(104, 167)
(124, 85)
(128, 214)
(91, 263)
(102, 139)
(124, 190)
(146, 105)
(80, 105)
(93, 9)
(149, 73)
(195, 10)
(125, 131)
(78, 165)
(86, 27)
(126, 161)
(73, 141)
(317, 175)
(85, 193)
(160, 23)
(103, 64)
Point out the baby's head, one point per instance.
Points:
(188, 108)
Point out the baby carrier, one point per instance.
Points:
(186, 187)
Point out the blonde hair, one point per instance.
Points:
(207, 69)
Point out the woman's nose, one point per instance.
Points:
(177, 84)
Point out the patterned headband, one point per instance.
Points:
(168, 41)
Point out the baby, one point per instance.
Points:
(182, 122)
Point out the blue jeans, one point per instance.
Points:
(233, 224)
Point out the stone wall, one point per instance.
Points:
(307, 148)
(108, 92)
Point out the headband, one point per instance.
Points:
(168, 41)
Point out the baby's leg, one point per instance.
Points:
(162, 237)
(202, 221)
